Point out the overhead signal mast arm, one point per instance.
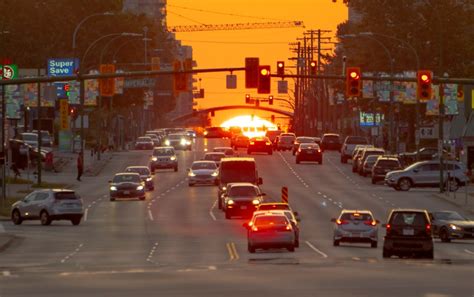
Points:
(237, 26)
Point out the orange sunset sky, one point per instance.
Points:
(229, 48)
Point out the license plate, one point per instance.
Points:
(355, 234)
(126, 192)
(408, 232)
(243, 207)
(310, 152)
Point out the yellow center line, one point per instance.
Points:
(236, 255)
(231, 252)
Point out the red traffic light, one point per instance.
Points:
(313, 68)
(281, 68)
(264, 80)
(353, 82)
(425, 78)
(247, 98)
(270, 100)
(424, 90)
(67, 87)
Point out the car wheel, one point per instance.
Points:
(343, 160)
(142, 198)
(353, 169)
(453, 185)
(190, 184)
(364, 174)
(76, 221)
(293, 153)
(373, 244)
(373, 181)
(444, 235)
(270, 152)
(297, 242)
(176, 169)
(251, 248)
(429, 254)
(44, 218)
(291, 248)
(404, 184)
(152, 188)
(297, 161)
(16, 217)
(112, 199)
(320, 162)
(219, 203)
(386, 253)
(335, 242)
(227, 215)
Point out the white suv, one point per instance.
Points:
(349, 144)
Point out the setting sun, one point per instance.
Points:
(251, 125)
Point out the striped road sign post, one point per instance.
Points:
(284, 194)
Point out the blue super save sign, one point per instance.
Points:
(62, 67)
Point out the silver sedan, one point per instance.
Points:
(355, 226)
(203, 172)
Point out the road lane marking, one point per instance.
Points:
(469, 252)
(85, 217)
(211, 211)
(152, 252)
(150, 215)
(64, 260)
(232, 251)
(316, 249)
(236, 255)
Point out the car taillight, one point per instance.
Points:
(252, 143)
(254, 228)
(428, 229)
(299, 150)
(288, 228)
(342, 222)
(370, 223)
(319, 151)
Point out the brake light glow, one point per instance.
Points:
(356, 214)
(342, 222)
(288, 228)
(388, 227)
(252, 143)
(254, 228)
(370, 223)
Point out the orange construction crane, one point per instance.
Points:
(237, 26)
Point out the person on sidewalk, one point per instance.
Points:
(80, 165)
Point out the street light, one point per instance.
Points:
(390, 137)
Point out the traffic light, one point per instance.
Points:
(180, 78)
(67, 89)
(424, 90)
(273, 118)
(247, 98)
(270, 100)
(313, 68)
(353, 82)
(281, 68)
(264, 79)
(251, 73)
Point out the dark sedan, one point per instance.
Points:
(309, 152)
(331, 142)
(448, 225)
(127, 185)
(145, 175)
(260, 145)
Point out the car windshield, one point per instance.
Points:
(204, 165)
(356, 216)
(144, 139)
(304, 139)
(356, 140)
(287, 138)
(331, 138)
(307, 146)
(225, 150)
(29, 137)
(372, 159)
(175, 136)
(214, 157)
(132, 178)
(448, 216)
(65, 196)
(139, 170)
(163, 152)
(243, 191)
(269, 220)
(388, 163)
(408, 218)
(415, 165)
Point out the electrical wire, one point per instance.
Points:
(184, 17)
(234, 42)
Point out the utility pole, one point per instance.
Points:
(441, 138)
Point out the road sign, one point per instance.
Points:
(107, 85)
(428, 133)
(282, 87)
(231, 81)
(139, 83)
(284, 194)
(63, 114)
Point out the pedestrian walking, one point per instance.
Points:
(80, 165)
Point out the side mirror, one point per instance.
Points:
(333, 220)
(377, 221)
(384, 225)
(263, 194)
(260, 181)
(296, 213)
(298, 219)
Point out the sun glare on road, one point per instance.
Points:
(252, 126)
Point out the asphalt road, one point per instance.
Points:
(177, 243)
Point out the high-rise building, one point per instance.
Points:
(153, 8)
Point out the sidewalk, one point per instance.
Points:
(463, 198)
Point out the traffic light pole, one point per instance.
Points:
(39, 136)
(4, 183)
(441, 138)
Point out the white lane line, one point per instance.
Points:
(72, 254)
(469, 252)
(6, 273)
(150, 215)
(315, 249)
(152, 252)
(84, 219)
(211, 213)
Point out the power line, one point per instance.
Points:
(233, 42)
(184, 17)
(225, 13)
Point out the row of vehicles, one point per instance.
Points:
(178, 138)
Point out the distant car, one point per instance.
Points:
(294, 220)
(215, 132)
(216, 157)
(285, 142)
(449, 225)
(144, 143)
(309, 152)
(145, 175)
(365, 154)
(179, 141)
(424, 154)
(331, 141)
(240, 141)
(241, 199)
(270, 231)
(191, 133)
(349, 145)
(203, 172)
(369, 164)
(30, 138)
(228, 151)
(426, 174)
(383, 166)
(46, 139)
(272, 134)
(126, 185)
(355, 226)
(163, 157)
(356, 155)
(299, 140)
(260, 145)
(47, 206)
(156, 140)
(408, 232)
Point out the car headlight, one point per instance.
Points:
(230, 202)
(154, 159)
(183, 141)
(224, 188)
(113, 188)
(139, 188)
(188, 142)
(454, 227)
(191, 173)
(172, 158)
(167, 142)
(215, 174)
(255, 202)
(149, 179)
